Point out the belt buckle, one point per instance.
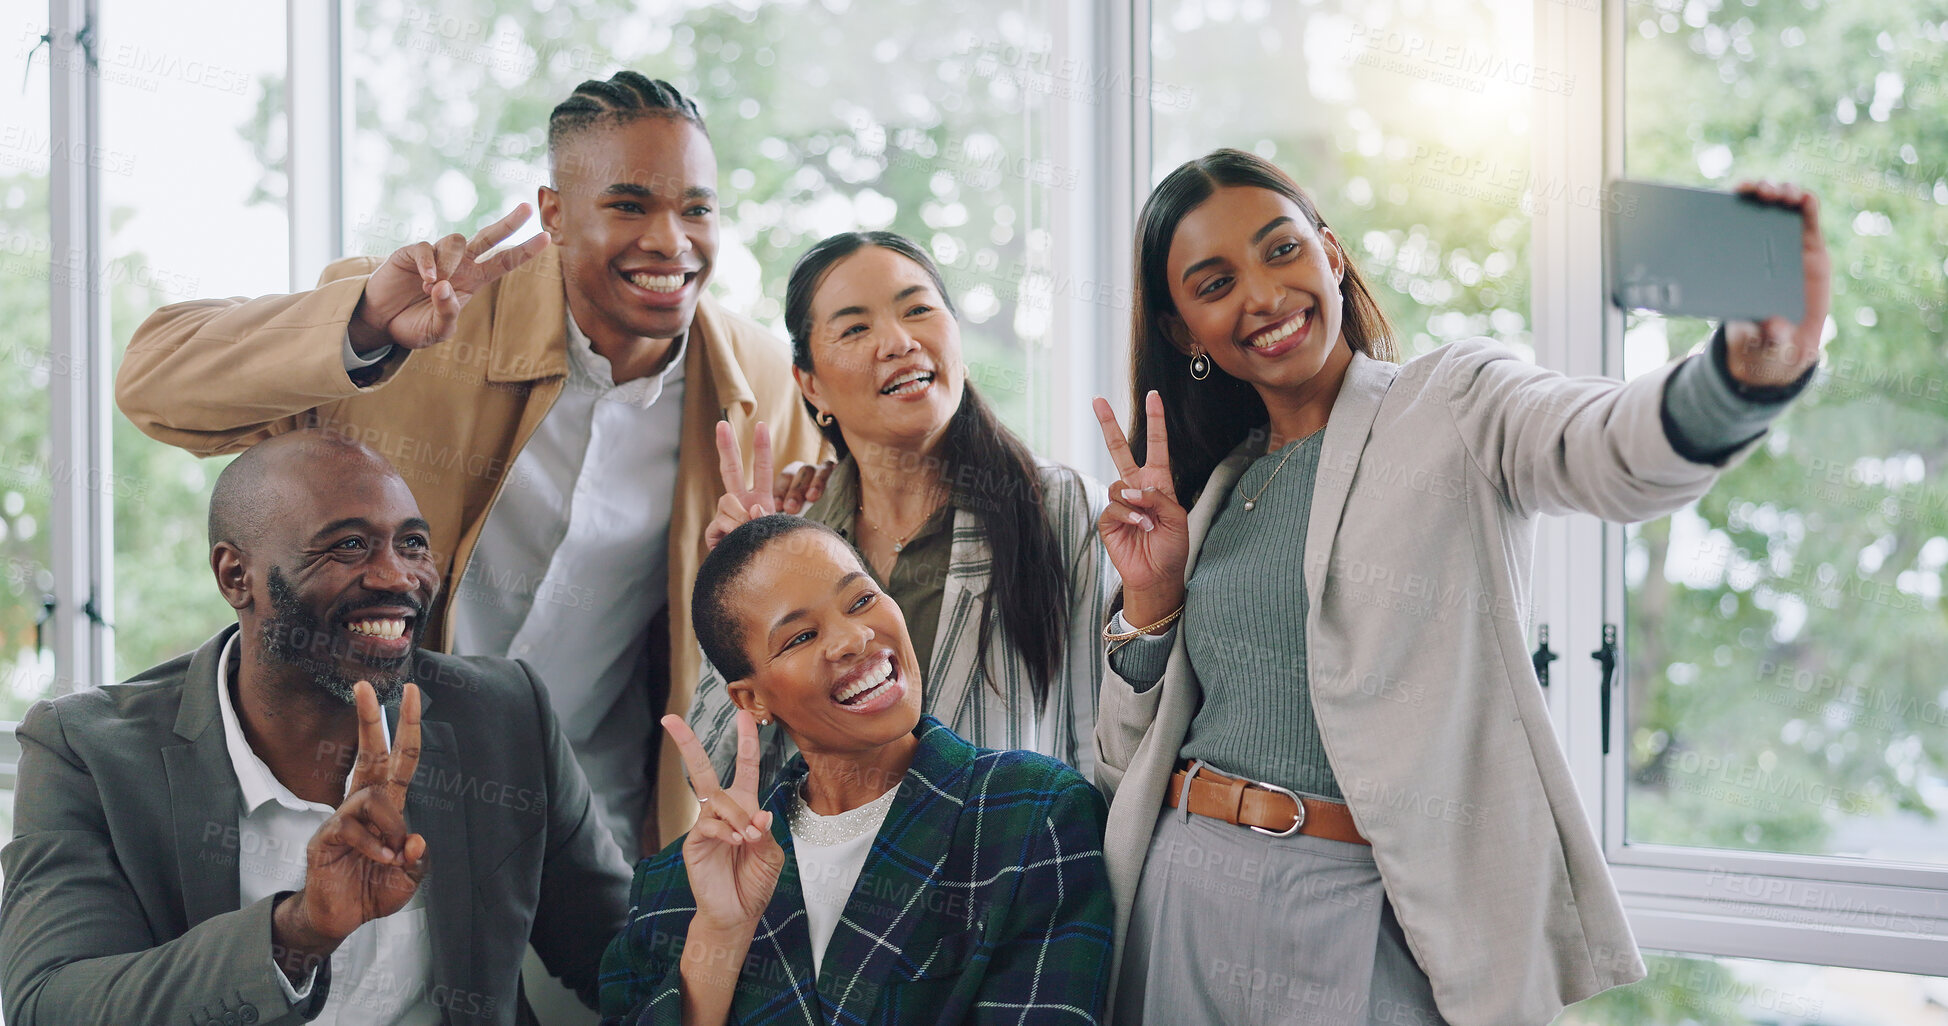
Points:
(1297, 803)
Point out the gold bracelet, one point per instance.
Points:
(1165, 622)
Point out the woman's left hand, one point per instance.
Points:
(740, 504)
(1778, 351)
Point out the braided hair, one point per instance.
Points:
(624, 97)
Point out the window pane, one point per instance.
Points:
(193, 183)
(1689, 990)
(1408, 124)
(825, 117)
(1785, 634)
(26, 264)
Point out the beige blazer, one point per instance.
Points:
(1417, 567)
(219, 375)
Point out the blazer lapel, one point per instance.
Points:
(905, 862)
(436, 809)
(1347, 429)
(961, 604)
(781, 949)
(203, 793)
(530, 322)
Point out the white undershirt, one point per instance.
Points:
(828, 873)
(381, 973)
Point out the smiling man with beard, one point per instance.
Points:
(241, 835)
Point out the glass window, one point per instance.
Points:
(192, 182)
(825, 117)
(1681, 990)
(1785, 633)
(26, 263)
(1408, 124)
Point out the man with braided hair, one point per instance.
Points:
(552, 405)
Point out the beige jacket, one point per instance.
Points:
(217, 375)
(1418, 559)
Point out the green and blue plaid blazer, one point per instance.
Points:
(984, 900)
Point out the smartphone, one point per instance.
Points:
(1699, 253)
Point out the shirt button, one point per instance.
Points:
(522, 649)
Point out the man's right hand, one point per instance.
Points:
(363, 864)
(413, 300)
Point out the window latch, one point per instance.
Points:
(1607, 657)
(1543, 655)
(93, 613)
(40, 622)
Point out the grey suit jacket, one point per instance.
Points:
(121, 900)
(1417, 563)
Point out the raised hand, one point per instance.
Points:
(732, 860)
(363, 863)
(413, 300)
(740, 502)
(1779, 350)
(800, 484)
(1144, 529)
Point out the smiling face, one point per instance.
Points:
(634, 215)
(829, 652)
(886, 356)
(1256, 284)
(338, 585)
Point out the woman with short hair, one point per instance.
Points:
(895, 874)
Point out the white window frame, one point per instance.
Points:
(1830, 911)
(82, 535)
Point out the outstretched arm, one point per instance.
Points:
(219, 375)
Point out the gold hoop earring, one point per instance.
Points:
(824, 419)
(1200, 366)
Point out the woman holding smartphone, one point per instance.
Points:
(992, 552)
(1336, 796)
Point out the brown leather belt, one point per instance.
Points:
(1266, 808)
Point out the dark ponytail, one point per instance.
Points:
(991, 472)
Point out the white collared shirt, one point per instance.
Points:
(382, 972)
(573, 563)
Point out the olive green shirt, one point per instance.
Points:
(919, 576)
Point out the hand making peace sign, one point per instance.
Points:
(741, 503)
(363, 863)
(732, 860)
(413, 300)
(792, 490)
(1144, 529)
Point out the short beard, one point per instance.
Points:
(291, 636)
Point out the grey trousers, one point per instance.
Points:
(1231, 926)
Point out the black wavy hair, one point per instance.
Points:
(1210, 418)
(989, 469)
